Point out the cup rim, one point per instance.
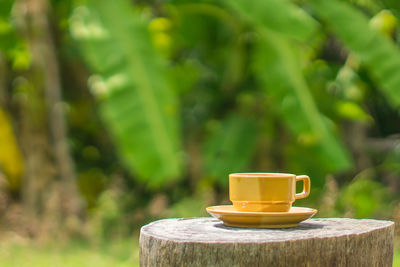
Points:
(261, 174)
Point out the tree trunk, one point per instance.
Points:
(50, 190)
(3, 83)
(315, 242)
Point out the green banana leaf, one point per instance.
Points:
(280, 16)
(379, 54)
(276, 61)
(137, 103)
(230, 147)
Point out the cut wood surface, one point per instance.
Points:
(315, 242)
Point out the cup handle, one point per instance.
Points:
(306, 186)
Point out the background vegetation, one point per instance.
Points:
(117, 113)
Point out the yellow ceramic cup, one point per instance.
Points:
(266, 192)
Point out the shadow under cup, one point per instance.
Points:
(266, 192)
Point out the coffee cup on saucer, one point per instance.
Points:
(266, 192)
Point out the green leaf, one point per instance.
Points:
(277, 65)
(365, 198)
(379, 54)
(5, 7)
(277, 15)
(11, 44)
(351, 110)
(230, 147)
(136, 102)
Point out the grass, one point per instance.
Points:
(396, 258)
(118, 254)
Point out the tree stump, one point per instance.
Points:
(315, 242)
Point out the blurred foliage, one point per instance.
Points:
(24, 254)
(133, 91)
(379, 54)
(186, 208)
(278, 64)
(396, 259)
(10, 156)
(230, 147)
(365, 198)
(165, 98)
(281, 17)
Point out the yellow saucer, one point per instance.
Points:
(232, 217)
